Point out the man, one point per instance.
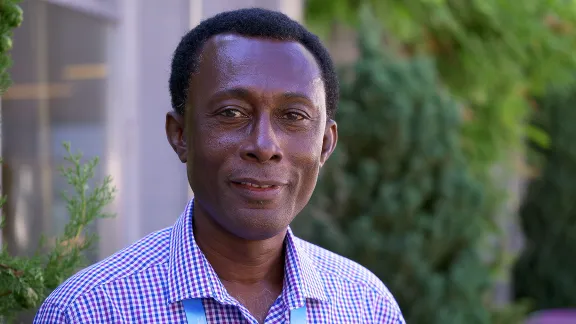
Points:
(254, 97)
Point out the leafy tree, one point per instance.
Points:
(398, 196)
(491, 54)
(545, 271)
(10, 18)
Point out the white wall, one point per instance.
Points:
(292, 8)
(151, 182)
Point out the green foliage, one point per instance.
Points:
(490, 54)
(25, 282)
(546, 270)
(10, 18)
(397, 195)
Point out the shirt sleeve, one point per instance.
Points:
(92, 307)
(400, 318)
(51, 314)
(387, 312)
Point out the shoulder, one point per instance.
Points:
(337, 269)
(151, 251)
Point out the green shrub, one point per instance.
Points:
(26, 282)
(398, 197)
(545, 271)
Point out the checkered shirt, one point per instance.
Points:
(147, 281)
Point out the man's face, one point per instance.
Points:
(255, 133)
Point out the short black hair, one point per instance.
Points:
(250, 22)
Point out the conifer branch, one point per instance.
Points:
(26, 282)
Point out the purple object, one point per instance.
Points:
(556, 316)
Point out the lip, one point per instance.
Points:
(259, 182)
(271, 190)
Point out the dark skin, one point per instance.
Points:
(254, 137)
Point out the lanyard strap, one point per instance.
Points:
(195, 313)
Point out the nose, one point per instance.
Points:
(262, 144)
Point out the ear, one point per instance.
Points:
(329, 141)
(176, 135)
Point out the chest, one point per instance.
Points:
(148, 304)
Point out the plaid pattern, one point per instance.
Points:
(147, 281)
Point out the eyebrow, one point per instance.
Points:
(246, 94)
(234, 92)
(296, 95)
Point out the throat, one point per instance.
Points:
(257, 298)
(252, 271)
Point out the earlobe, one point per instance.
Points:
(176, 135)
(329, 141)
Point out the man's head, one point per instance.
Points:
(254, 95)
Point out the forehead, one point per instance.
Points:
(230, 61)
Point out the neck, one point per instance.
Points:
(237, 260)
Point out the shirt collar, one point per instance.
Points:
(191, 276)
(301, 278)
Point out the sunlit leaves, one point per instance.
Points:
(485, 51)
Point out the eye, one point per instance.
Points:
(294, 116)
(232, 113)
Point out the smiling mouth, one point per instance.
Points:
(254, 186)
(261, 192)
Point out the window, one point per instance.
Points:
(59, 94)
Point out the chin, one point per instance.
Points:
(258, 224)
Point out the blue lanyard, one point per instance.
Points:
(195, 313)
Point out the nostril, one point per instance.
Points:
(276, 157)
(252, 156)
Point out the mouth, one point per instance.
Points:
(261, 190)
(251, 185)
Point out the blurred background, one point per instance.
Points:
(454, 179)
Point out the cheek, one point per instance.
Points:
(310, 147)
(305, 155)
(308, 157)
(210, 147)
(205, 156)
